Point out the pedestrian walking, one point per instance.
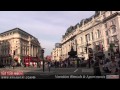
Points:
(88, 63)
(113, 66)
(55, 63)
(119, 66)
(92, 62)
(49, 66)
(96, 66)
(13, 64)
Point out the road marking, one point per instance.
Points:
(76, 70)
(87, 70)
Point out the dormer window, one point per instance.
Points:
(110, 12)
(113, 22)
(105, 25)
(104, 16)
(113, 29)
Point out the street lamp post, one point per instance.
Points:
(13, 62)
(43, 59)
(116, 47)
(87, 45)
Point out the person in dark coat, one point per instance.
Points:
(49, 65)
(92, 62)
(96, 66)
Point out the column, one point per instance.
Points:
(25, 50)
(29, 49)
(32, 50)
(35, 51)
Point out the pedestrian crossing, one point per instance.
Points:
(74, 71)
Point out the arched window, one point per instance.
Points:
(95, 35)
(81, 39)
(98, 33)
(113, 29)
(110, 12)
(92, 36)
(105, 25)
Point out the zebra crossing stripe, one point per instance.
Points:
(76, 70)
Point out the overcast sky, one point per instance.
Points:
(47, 26)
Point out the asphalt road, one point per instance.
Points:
(37, 73)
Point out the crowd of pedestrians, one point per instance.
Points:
(111, 66)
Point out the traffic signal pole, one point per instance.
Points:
(43, 66)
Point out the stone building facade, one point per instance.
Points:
(56, 52)
(96, 33)
(18, 44)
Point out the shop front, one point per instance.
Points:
(5, 60)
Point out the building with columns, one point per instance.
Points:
(96, 34)
(18, 44)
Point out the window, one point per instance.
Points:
(113, 22)
(106, 33)
(89, 37)
(95, 35)
(109, 31)
(92, 36)
(108, 41)
(86, 38)
(113, 29)
(105, 25)
(81, 39)
(8, 52)
(114, 38)
(104, 15)
(98, 33)
(110, 12)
